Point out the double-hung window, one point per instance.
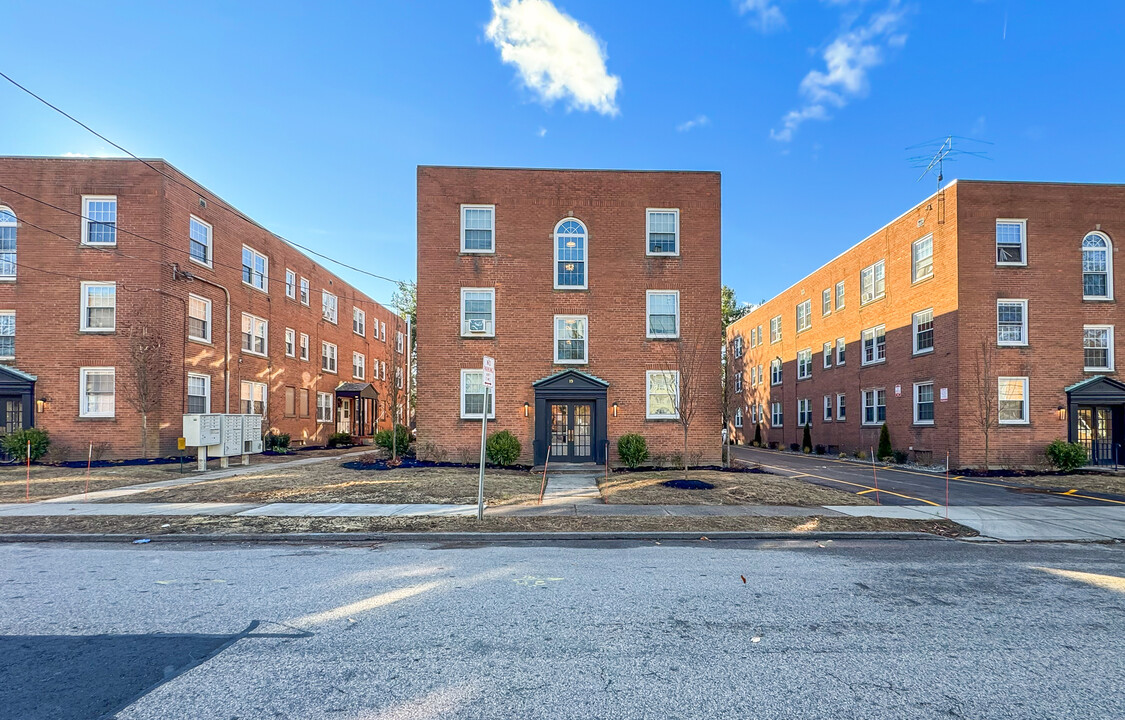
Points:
(473, 395)
(329, 306)
(663, 231)
(1011, 322)
(328, 357)
(804, 412)
(255, 269)
(775, 371)
(1097, 348)
(840, 296)
(9, 228)
(198, 393)
(304, 346)
(804, 315)
(253, 397)
(98, 396)
(399, 342)
(478, 312)
(290, 342)
(922, 259)
(923, 325)
(8, 335)
(99, 307)
(99, 220)
(324, 408)
(1097, 267)
(738, 381)
(254, 335)
(359, 366)
(804, 364)
(199, 241)
(827, 354)
(570, 255)
(826, 302)
(775, 329)
(570, 339)
(359, 322)
(477, 228)
(199, 319)
(738, 346)
(874, 406)
(738, 417)
(663, 313)
(827, 408)
(1011, 242)
(924, 403)
(841, 407)
(662, 394)
(1013, 400)
(841, 348)
(305, 291)
(776, 417)
(874, 345)
(872, 283)
(290, 284)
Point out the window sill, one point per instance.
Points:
(922, 424)
(1011, 264)
(8, 279)
(330, 372)
(199, 341)
(477, 252)
(479, 336)
(571, 362)
(919, 353)
(201, 263)
(89, 331)
(661, 418)
(1097, 299)
(919, 281)
(264, 291)
(244, 351)
(96, 418)
(1014, 345)
(873, 362)
(477, 419)
(1085, 369)
(662, 337)
(1013, 423)
(872, 301)
(98, 245)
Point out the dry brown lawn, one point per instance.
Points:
(1090, 482)
(645, 488)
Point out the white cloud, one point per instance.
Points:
(542, 132)
(75, 155)
(847, 60)
(698, 121)
(764, 14)
(557, 57)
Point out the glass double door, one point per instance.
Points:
(1096, 431)
(572, 432)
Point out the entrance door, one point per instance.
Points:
(572, 432)
(344, 415)
(1096, 433)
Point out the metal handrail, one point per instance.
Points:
(543, 485)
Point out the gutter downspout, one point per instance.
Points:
(226, 358)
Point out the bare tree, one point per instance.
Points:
(732, 398)
(986, 406)
(150, 371)
(688, 357)
(395, 392)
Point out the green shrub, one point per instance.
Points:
(15, 444)
(277, 442)
(757, 435)
(502, 448)
(632, 449)
(340, 439)
(806, 439)
(885, 450)
(900, 456)
(1066, 456)
(401, 439)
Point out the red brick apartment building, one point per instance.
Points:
(595, 291)
(989, 304)
(99, 257)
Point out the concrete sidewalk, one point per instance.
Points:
(1013, 522)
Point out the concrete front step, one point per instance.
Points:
(571, 469)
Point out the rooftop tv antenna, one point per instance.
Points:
(934, 161)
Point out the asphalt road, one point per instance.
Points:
(920, 629)
(909, 487)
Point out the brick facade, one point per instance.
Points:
(528, 204)
(154, 277)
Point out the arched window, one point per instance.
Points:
(1097, 267)
(570, 255)
(8, 228)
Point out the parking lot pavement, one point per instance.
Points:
(909, 487)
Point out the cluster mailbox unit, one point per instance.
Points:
(223, 436)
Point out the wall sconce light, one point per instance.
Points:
(527, 409)
(614, 409)
(40, 405)
(1062, 412)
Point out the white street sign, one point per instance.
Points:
(489, 372)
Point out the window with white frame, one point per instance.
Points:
(776, 417)
(663, 231)
(359, 322)
(874, 345)
(290, 284)
(1097, 267)
(775, 329)
(841, 407)
(99, 307)
(477, 228)
(1013, 400)
(7, 335)
(570, 255)
(841, 347)
(738, 417)
(398, 377)
(754, 413)
(663, 313)
(198, 393)
(827, 408)
(874, 406)
(840, 295)
(924, 403)
(478, 312)
(826, 302)
(290, 342)
(199, 241)
(759, 336)
(761, 376)
(775, 371)
(872, 283)
(329, 306)
(383, 367)
(99, 220)
(324, 407)
(570, 339)
(304, 291)
(804, 364)
(473, 395)
(738, 381)
(199, 318)
(255, 269)
(1011, 242)
(9, 228)
(804, 412)
(922, 259)
(255, 331)
(1011, 322)
(398, 342)
(662, 396)
(98, 396)
(304, 346)
(827, 355)
(804, 315)
(383, 331)
(359, 366)
(328, 357)
(923, 325)
(1097, 348)
(738, 346)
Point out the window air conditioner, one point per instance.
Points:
(477, 327)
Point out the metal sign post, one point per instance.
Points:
(489, 382)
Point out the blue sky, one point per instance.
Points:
(312, 118)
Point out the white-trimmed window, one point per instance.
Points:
(570, 255)
(872, 283)
(804, 315)
(662, 394)
(761, 376)
(570, 339)
(99, 307)
(99, 220)
(199, 241)
(324, 407)
(399, 342)
(304, 291)
(1011, 322)
(198, 393)
(841, 347)
(1097, 348)
(827, 408)
(663, 313)
(1097, 267)
(304, 346)
(255, 269)
(738, 346)
(1013, 400)
(290, 342)
(478, 312)
(775, 371)
(826, 302)
(804, 364)
(663, 231)
(328, 356)
(477, 226)
(923, 325)
(398, 377)
(252, 397)
(97, 394)
(359, 366)
(827, 355)
(383, 331)
(199, 319)
(874, 345)
(922, 259)
(9, 228)
(290, 284)
(775, 329)
(359, 322)
(738, 380)
(804, 412)
(776, 417)
(924, 403)
(841, 407)
(383, 367)
(329, 306)
(473, 395)
(255, 331)
(840, 296)
(1011, 242)
(874, 406)
(738, 417)
(7, 335)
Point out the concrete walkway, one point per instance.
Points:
(1013, 522)
(44, 509)
(572, 489)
